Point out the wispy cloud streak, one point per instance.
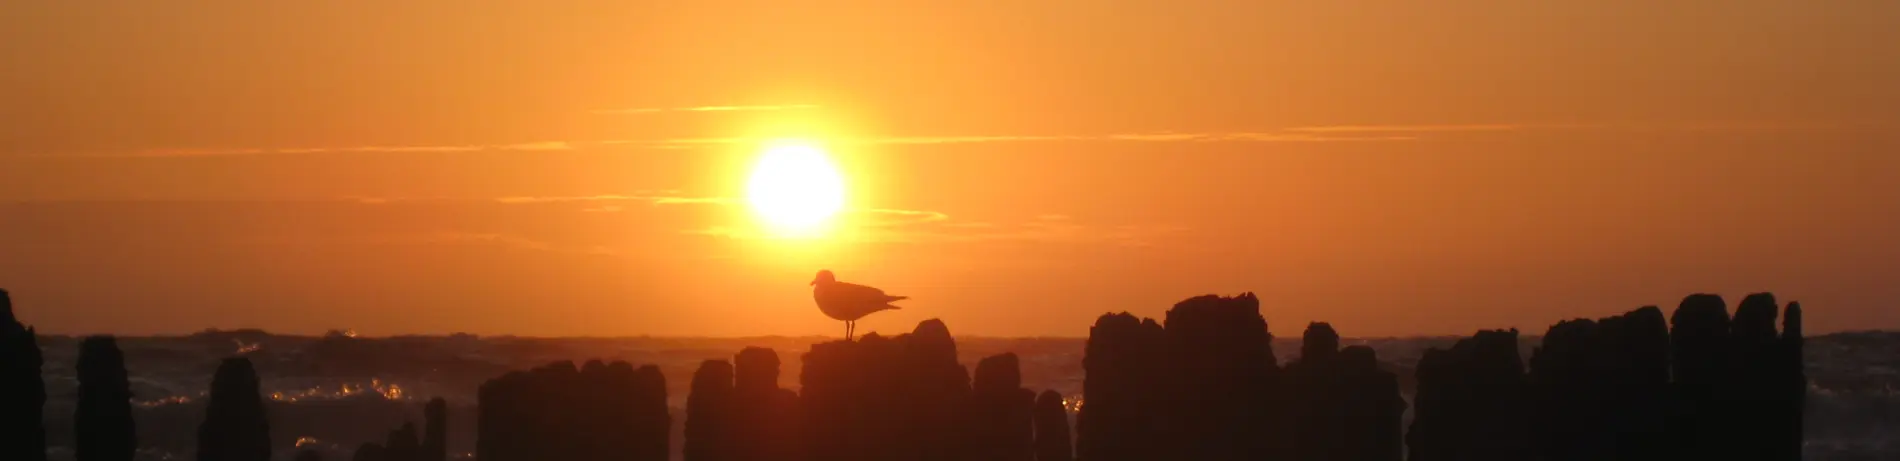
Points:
(1405, 128)
(919, 214)
(579, 198)
(1157, 137)
(1296, 134)
(504, 240)
(540, 146)
(1308, 134)
(659, 110)
(675, 143)
(899, 226)
(661, 198)
(863, 225)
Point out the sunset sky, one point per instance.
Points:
(1018, 168)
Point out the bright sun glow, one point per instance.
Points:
(795, 189)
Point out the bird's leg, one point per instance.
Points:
(847, 330)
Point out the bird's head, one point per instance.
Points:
(824, 276)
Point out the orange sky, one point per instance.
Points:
(1017, 168)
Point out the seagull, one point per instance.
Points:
(848, 302)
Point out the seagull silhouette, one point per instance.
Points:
(848, 302)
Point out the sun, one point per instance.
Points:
(795, 189)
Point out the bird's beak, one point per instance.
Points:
(814, 282)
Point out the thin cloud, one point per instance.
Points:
(1405, 128)
(658, 110)
(747, 108)
(930, 227)
(641, 110)
(674, 198)
(657, 196)
(505, 240)
(1367, 133)
(393, 149)
(929, 216)
(1249, 137)
(527, 146)
(660, 198)
(889, 218)
(720, 231)
(866, 225)
(580, 198)
(533, 146)
(981, 232)
(676, 143)
(1052, 229)
(967, 139)
(691, 200)
(1062, 230)
(437, 238)
(1298, 134)
(1768, 126)
(1157, 137)
(203, 152)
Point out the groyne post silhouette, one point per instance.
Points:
(741, 413)
(1053, 439)
(1627, 387)
(1792, 386)
(651, 425)
(1601, 388)
(709, 414)
(1374, 410)
(902, 398)
(764, 416)
(1342, 406)
(1571, 380)
(1472, 402)
(599, 412)
(1002, 421)
(1221, 381)
(235, 427)
(1314, 381)
(435, 438)
(1739, 382)
(103, 429)
(1701, 384)
(1768, 381)
(22, 392)
(1699, 341)
(1206, 385)
(1636, 346)
(1120, 419)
